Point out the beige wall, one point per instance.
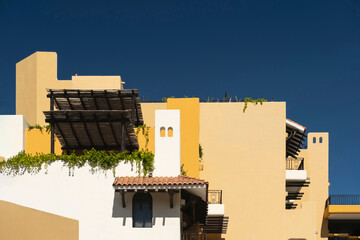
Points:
(38, 72)
(148, 111)
(33, 75)
(244, 155)
(316, 162)
(97, 82)
(301, 223)
(22, 223)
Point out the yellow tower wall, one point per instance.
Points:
(189, 125)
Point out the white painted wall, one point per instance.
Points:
(167, 149)
(12, 134)
(216, 209)
(296, 175)
(91, 199)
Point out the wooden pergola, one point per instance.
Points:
(100, 119)
(295, 138)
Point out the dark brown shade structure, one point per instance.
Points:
(296, 137)
(215, 224)
(100, 119)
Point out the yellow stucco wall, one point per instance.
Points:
(96, 82)
(301, 223)
(33, 75)
(39, 142)
(189, 125)
(316, 162)
(148, 111)
(189, 118)
(142, 140)
(341, 209)
(38, 72)
(244, 156)
(22, 223)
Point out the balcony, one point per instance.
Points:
(296, 177)
(216, 222)
(215, 197)
(343, 214)
(215, 207)
(295, 170)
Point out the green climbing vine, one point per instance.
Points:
(164, 99)
(255, 101)
(201, 153)
(97, 160)
(39, 127)
(182, 170)
(145, 132)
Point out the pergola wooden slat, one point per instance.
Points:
(107, 99)
(100, 119)
(100, 129)
(294, 140)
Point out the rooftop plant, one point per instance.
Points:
(97, 160)
(254, 101)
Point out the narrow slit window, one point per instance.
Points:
(320, 140)
(162, 132)
(170, 132)
(314, 139)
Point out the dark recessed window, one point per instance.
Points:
(142, 210)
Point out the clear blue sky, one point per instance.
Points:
(306, 53)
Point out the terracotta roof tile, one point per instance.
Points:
(157, 181)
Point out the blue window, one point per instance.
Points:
(142, 210)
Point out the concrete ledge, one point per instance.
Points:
(216, 209)
(296, 175)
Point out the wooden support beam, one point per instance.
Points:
(122, 136)
(52, 130)
(171, 195)
(123, 198)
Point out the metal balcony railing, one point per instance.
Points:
(215, 197)
(345, 199)
(295, 163)
(193, 236)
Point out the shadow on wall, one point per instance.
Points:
(214, 237)
(161, 207)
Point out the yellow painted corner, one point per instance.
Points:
(341, 209)
(189, 124)
(39, 142)
(142, 140)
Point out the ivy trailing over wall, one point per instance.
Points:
(145, 132)
(201, 153)
(39, 127)
(164, 99)
(182, 170)
(97, 160)
(255, 101)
